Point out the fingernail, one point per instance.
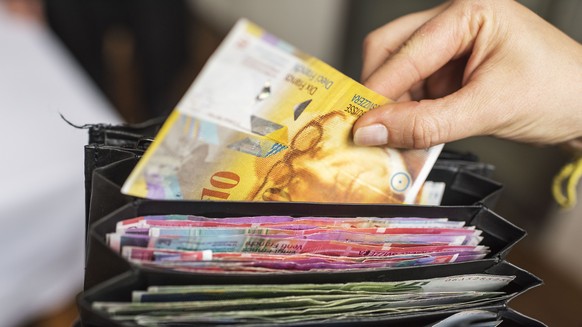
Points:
(376, 134)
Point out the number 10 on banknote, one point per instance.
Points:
(266, 122)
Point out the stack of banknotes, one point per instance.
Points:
(268, 305)
(285, 244)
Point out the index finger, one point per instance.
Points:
(442, 38)
(381, 43)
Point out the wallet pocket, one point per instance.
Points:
(498, 234)
(119, 289)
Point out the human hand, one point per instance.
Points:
(477, 68)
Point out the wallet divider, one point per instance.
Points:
(463, 187)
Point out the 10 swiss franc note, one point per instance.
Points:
(266, 122)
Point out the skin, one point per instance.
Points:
(31, 10)
(468, 68)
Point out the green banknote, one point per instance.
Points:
(292, 303)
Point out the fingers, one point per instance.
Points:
(384, 41)
(442, 38)
(422, 124)
(438, 49)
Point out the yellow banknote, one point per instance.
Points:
(265, 122)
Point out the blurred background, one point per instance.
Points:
(130, 60)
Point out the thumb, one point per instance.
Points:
(421, 124)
